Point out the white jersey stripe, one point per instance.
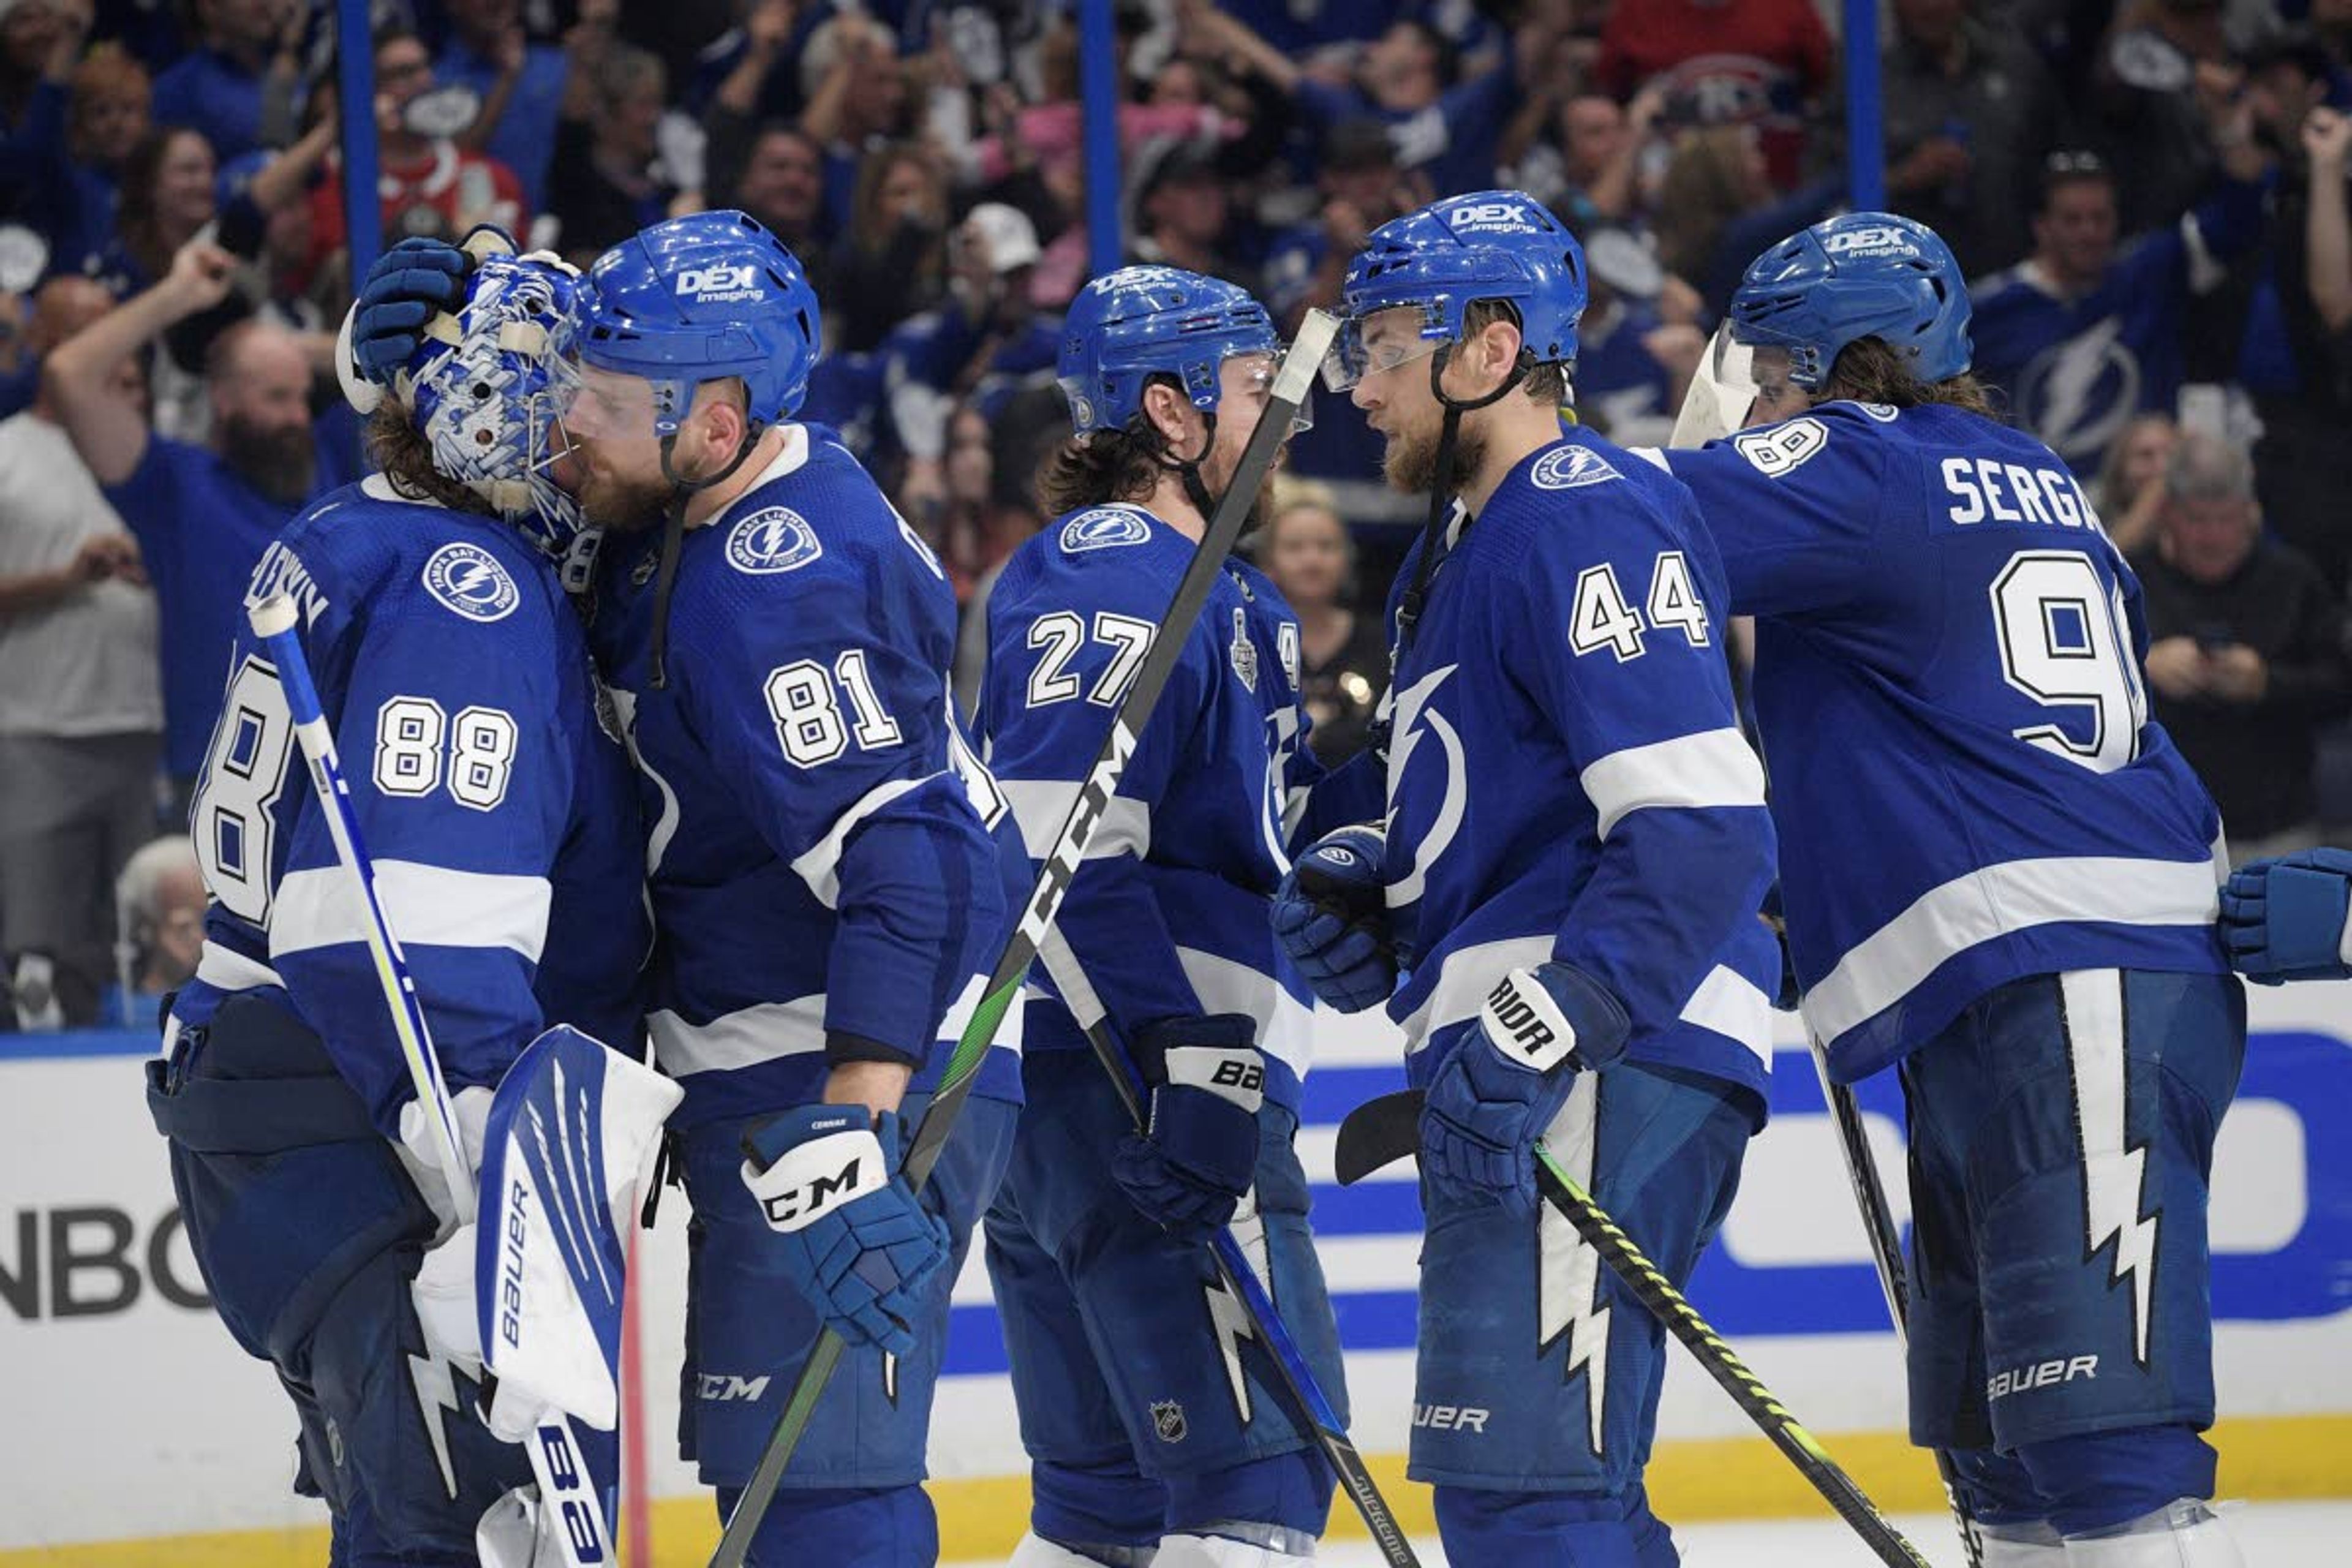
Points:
(1730, 1005)
(225, 969)
(1998, 900)
(1042, 806)
(427, 906)
(1712, 768)
(769, 1031)
(820, 865)
(1464, 978)
(1286, 1026)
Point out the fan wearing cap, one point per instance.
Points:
(1560, 909)
(2000, 879)
(495, 796)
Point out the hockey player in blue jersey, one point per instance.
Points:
(1153, 1424)
(828, 892)
(496, 798)
(1998, 876)
(1561, 908)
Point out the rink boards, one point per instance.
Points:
(130, 1416)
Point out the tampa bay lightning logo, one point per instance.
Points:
(1415, 720)
(469, 580)
(1105, 528)
(1570, 468)
(773, 539)
(2077, 395)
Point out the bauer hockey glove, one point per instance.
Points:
(410, 284)
(2285, 920)
(1187, 1172)
(859, 1244)
(1330, 914)
(1499, 1091)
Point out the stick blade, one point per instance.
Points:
(1376, 1133)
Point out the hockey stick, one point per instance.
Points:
(1886, 1252)
(557, 1459)
(1241, 1280)
(1389, 1128)
(1290, 384)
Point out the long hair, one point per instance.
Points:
(1706, 186)
(1097, 469)
(1868, 371)
(141, 231)
(397, 446)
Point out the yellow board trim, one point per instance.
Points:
(1732, 1477)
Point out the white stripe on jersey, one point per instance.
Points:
(1712, 768)
(1996, 900)
(1730, 1005)
(769, 1031)
(1042, 806)
(820, 865)
(427, 906)
(225, 969)
(1726, 1002)
(1286, 1026)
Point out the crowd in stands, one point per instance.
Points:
(2152, 195)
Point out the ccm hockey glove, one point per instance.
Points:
(1330, 914)
(1499, 1091)
(860, 1243)
(1189, 1169)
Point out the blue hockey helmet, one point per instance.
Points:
(700, 299)
(489, 382)
(1490, 245)
(1860, 275)
(1128, 326)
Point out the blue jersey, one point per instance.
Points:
(826, 883)
(489, 780)
(1168, 917)
(1566, 775)
(1967, 784)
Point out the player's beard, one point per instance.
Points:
(620, 504)
(282, 463)
(1411, 460)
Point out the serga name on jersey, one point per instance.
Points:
(498, 812)
(1168, 917)
(825, 854)
(1626, 835)
(2083, 839)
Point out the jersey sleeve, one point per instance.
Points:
(1058, 664)
(1618, 641)
(832, 729)
(1792, 510)
(460, 776)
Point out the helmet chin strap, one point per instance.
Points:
(682, 492)
(1441, 484)
(1188, 469)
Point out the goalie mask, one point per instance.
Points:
(491, 387)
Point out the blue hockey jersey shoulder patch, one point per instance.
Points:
(1104, 528)
(770, 540)
(469, 580)
(1570, 468)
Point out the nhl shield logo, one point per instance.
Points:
(1168, 1421)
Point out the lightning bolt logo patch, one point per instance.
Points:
(1569, 1303)
(2114, 1172)
(1227, 1319)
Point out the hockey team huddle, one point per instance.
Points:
(641, 690)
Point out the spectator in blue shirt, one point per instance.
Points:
(242, 86)
(107, 116)
(202, 515)
(521, 85)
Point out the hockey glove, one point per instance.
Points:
(1499, 1090)
(1187, 1172)
(1330, 914)
(410, 284)
(859, 1244)
(2285, 920)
